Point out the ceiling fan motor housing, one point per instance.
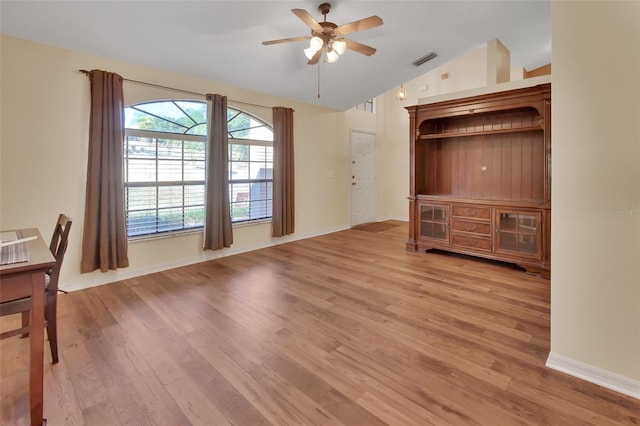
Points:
(327, 34)
(328, 28)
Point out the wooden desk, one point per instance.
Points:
(26, 279)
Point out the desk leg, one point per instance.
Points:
(36, 356)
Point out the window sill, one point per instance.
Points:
(174, 234)
(142, 238)
(250, 223)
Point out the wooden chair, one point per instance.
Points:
(58, 247)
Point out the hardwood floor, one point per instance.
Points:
(342, 329)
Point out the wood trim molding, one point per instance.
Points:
(607, 379)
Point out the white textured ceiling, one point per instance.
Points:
(222, 40)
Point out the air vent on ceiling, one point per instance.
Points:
(429, 56)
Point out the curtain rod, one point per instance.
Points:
(144, 83)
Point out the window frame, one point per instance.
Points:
(249, 181)
(367, 106)
(232, 140)
(157, 184)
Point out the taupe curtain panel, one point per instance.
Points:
(104, 239)
(283, 222)
(217, 224)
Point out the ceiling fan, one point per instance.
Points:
(328, 37)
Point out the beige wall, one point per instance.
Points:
(43, 154)
(498, 63)
(595, 275)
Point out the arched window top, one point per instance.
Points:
(190, 117)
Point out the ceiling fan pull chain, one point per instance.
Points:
(318, 79)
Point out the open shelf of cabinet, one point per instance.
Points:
(480, 176)
(478, 133)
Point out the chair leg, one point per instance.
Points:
(52, 328)
(25, 322)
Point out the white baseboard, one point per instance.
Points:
(595, 375)
(401, 219)
(126, 273)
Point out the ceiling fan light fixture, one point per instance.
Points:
(339, 46)
(309, 52)
(332, 55)
(316, 43)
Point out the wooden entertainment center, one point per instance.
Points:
(480, 170)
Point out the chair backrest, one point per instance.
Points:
(58, 248)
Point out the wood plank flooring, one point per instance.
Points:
(342, 329)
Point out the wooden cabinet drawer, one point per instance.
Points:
(470, 226)
(470, 242)
(483, 213)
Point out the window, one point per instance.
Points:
(367, 106)
(164, 164)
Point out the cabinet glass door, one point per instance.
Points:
(519, 232)
(434, 222)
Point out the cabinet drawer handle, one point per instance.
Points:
(471, 212)
(471, 242)
(470, 226)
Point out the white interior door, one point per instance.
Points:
(363, 178)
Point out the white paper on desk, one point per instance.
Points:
(8, 236)
(21, 240)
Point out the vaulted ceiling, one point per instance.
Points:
(222, 40)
